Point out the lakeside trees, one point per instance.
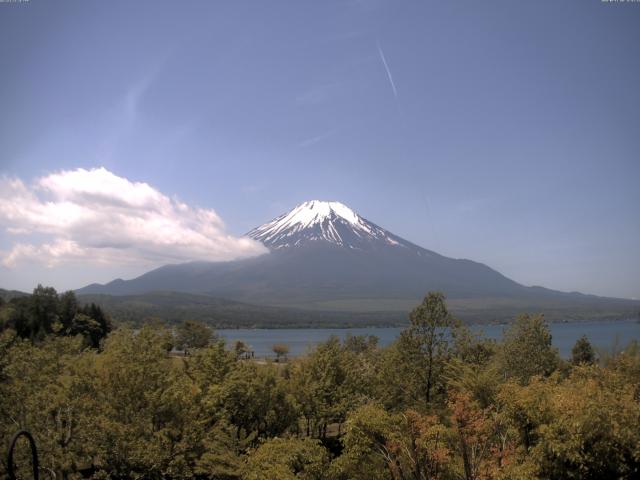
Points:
(281, 350)
(47, 313)
(434, 405)
(527, 351)
(582, 352)
(191, 334)
(425, 347)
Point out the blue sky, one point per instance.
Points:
(505, 132)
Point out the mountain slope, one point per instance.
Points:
(7, 295)
(324, 256)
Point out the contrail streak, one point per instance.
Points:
(386, 67)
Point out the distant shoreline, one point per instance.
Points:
(603, 334)
(404, 325)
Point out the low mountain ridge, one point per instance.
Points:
(175, 307)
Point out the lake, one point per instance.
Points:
(602, 334)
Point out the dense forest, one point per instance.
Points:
(439, 403)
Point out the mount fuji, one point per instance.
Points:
(324, 256)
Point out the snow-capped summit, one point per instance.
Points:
(318, 221)
(315, 211)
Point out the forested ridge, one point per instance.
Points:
(439, 403)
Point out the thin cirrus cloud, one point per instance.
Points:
(96, 217)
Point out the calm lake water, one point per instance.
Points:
(601, 334)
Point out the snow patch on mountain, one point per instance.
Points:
(320, 221)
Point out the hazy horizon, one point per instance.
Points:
(134, 135)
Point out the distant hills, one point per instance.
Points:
(7, 295)
(327, 262)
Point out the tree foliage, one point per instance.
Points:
(45, 312)
(191, 334)
(439, 403)
(582, 352)
(288, 459)
(281, 350)
(527, 350)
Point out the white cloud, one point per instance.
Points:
(96, 217)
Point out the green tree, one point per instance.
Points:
(473, 368)
(527, 350)
(379, 445)
(627, 364)
(582, 352)
(87, 327)
(423, 350)
(46, 390)
(281, 350)
(328, 383)
(223, 455)
(584, 426)
(360, 344)
(43, 311)
(191, 334)
(7, 340)
(255, 400)
(34, 316)
(209, 366)
(288, 459)
(241, 349)
(67, 309)
(104, 321)
(470, 347)
(366, 454)
(482, 382)
(149, 421)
